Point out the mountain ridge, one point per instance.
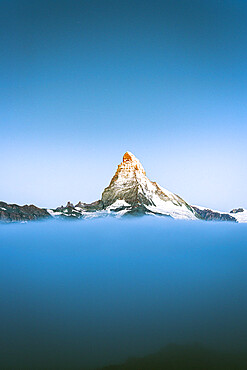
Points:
(130, 192)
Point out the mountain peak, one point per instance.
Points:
(128, 156)
(131, 187)
(129, 164)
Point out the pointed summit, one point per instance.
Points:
(128, 156)
(131, 187)
(130, 192)
(130, 162)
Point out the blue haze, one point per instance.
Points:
(88, 293)
(84, 81)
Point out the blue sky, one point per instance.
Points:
(84, 81)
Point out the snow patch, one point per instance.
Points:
(241, 217)
(118, 204)
(54, 213)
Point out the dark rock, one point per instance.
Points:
(69, 205)
(95, 206)
(14, 212)
(237, 210)
(209, 215)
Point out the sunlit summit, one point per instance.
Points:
(130, 192)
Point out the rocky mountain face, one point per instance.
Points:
(130, 192)
(209, 215)
(131, 188)
(13, 212)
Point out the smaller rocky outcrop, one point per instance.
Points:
(14, 212)
(95, 206)
(237, 210)
(209, 215)
(69, 204)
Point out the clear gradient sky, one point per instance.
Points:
(81, 82)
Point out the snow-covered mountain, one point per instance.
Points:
(130, 192)
(131, 188)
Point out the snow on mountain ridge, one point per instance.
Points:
(131, 184)
(131, 192)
